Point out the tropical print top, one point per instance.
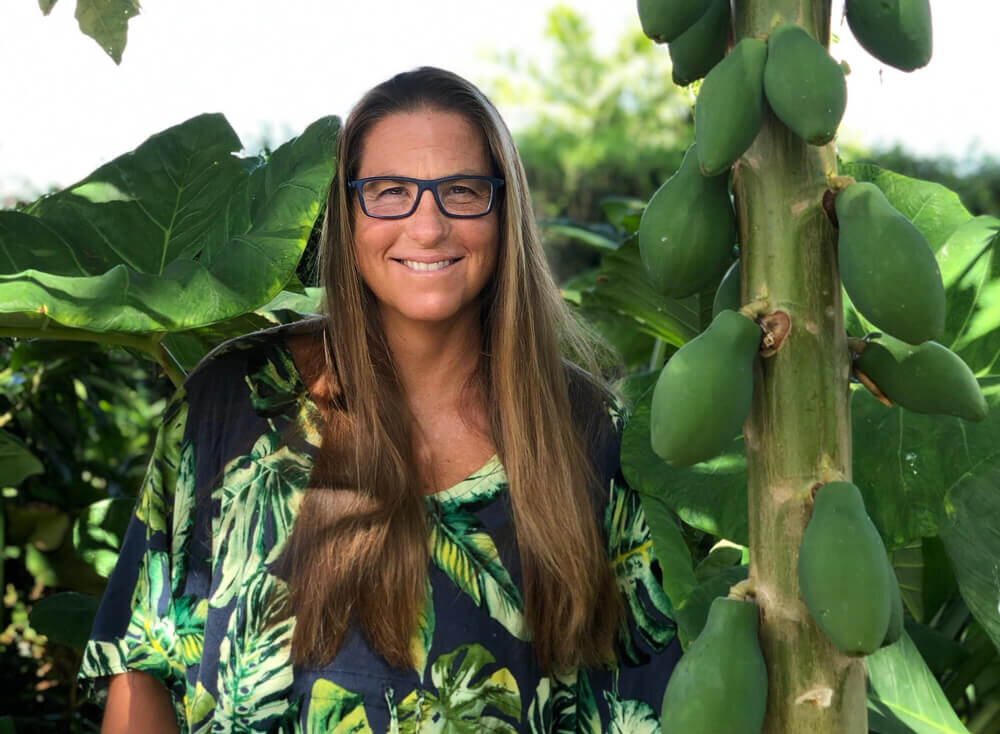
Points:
(190, 598)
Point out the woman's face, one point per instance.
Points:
(426, 267)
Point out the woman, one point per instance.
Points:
(407, 516)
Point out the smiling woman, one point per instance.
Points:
(408, 514)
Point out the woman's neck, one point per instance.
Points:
(434, 361)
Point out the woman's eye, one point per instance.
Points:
(391, 191)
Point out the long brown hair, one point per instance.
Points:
(358, 552)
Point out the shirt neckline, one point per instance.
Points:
(478, 483)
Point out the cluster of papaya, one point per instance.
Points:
(892, 277)
(845, 577)
(794, 74)
(896, 32)
(706, 697)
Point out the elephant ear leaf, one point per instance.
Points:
(175, 235)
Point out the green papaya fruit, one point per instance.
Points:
(842, 571)
(665, 20)
(694, 52)
(729, 111)
(687, 231)
(720, 683)
(887, 267)
(928, 378)
(728, 294)
(895, 629)
(897, 32)
(804, 85)
(702, 396)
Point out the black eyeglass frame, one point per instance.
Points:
(427, 184)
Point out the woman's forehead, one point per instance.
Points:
(438, 142)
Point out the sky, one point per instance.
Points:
(274, 66)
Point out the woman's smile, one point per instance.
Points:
(428, 266)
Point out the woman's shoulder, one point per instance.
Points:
(254, 372)
(257, 345)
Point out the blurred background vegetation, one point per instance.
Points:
(605, 131)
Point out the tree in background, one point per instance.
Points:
(596, 125)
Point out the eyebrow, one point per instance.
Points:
(461, 172)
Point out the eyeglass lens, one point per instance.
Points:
(388, 197)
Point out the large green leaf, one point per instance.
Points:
(16, 462)
(904, 697)
(187, 348)
(176, 235)
(905, 463)
(710, 496)
(65, 617)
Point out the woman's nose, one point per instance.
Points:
(428, 222)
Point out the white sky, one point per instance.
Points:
(273, 66)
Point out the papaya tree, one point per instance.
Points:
(822, 445)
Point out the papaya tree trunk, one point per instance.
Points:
(798, 433)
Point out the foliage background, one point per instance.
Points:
(609, 129)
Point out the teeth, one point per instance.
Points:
(414, 265)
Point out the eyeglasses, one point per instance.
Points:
(396, 197)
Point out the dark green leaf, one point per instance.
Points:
(16, 462)
(925, 577)
(65, 618)
(903, 695)
(177, 235)
(710, 496)
(939, 651)
(106, 21)
(905, 462)
(46, 5)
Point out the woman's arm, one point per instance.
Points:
(138, 703)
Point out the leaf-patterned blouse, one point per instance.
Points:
(190, 598)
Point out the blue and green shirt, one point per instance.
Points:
(191, 600)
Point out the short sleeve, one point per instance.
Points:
(142, 623)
